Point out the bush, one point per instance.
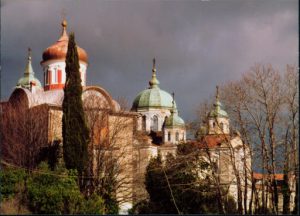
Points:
(93, 205)
(54, 192)
(12, 181)
(57, 192)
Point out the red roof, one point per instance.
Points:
(211, 141)
(258, 176)
(59, 49)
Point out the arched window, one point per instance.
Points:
(144, 123)
(214, 124)
(222, 126)
(169, 136)
(154, 123)
(177, 136)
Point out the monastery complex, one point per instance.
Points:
(152, 126)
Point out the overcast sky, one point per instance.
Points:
(197, 44)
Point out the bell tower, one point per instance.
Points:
(218, 121)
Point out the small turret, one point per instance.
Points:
(218, 121)
(174, 126)
(28, 80)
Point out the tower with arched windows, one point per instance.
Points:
(54, 62)
(218, 121)
(174, 127)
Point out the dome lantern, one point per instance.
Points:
(154, 81)
(217, 110)
(153, 97)
(218, 120)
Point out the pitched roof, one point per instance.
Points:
(259, 176)
(212, 141)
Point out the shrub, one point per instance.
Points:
(54, 192)
(12, 181)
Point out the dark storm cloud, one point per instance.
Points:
(198, 44)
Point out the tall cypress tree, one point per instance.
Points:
(74, 128)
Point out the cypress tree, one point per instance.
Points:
(74, 128)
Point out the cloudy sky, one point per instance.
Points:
(197, 44)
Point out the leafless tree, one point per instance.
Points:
(290, 119)
(23, 133)
(263, 106)
(111, 149)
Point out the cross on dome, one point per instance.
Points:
(64, 34)
(217, 93)
(28, 69)
(154, 81)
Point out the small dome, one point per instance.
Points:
(24, 82)
(153, 98)
(28, 78)
(174, 121)
(59, 49)
(217, 110)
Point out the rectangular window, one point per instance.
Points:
(59, 75)
(45, 77)
(55, 76)
(49, 77)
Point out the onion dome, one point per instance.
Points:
(174, 119)
(59, 50)
(153, 97)
(28, 79)
(217, 110)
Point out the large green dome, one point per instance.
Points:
(153, 98)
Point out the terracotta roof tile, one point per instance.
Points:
(258, 176)
(212, 141)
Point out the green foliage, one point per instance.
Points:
(93, 205)
(106, 189)
(12, 181)
(54, 192)
(191, 193)
(50, 192)
(111, 204)
(106, 183)
(75, 130)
